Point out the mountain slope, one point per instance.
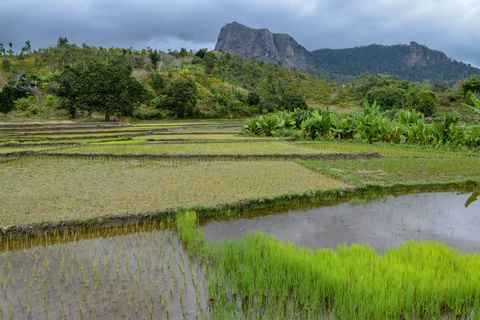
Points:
(412, 62)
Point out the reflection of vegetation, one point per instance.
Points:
(472, 198)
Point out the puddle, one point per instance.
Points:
(450, 217)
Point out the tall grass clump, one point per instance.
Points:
(259, 277)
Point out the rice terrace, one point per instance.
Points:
(192, 220)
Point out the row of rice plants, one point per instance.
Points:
(399, 170)
(196, 136)
(36, 189)
(196, 148)
(141, 275)
(259, 277)
(383, 149)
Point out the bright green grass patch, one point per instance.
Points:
(401, 170)
(196, 137)
(118, 142)
(384, 149)
(195, 148)
(36, 189)
(259, 277)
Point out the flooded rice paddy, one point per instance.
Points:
(147, 274)
(450, 217)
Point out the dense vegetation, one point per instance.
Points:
(56, 82)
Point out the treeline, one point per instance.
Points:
(81, 81)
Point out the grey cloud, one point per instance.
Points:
(447, 25)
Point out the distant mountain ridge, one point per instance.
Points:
(412, 62)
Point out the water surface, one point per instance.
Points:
(442, 216)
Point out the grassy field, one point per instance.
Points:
(401, 170)
(195, 148)
(39, 189)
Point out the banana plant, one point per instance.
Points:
(269, 124)
(476, 102)
(318, 125)
(369, 128)
(344, 128)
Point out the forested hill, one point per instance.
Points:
(412, 62)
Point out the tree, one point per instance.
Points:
(27, 48)
(210, 61)
(2, 49)
(108, 89)
(6, 64)
(154, 58)
(201, 53)
(292, 101)
(470, 86)
(10, 51)
(62, 42)
(68, 98)
(180, 97)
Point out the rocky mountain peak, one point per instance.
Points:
(261, 44)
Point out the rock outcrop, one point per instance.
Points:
(261, 44)
(412, 62)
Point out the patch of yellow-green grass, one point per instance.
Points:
(387, 150)
(196, 137)
(17, 149)
(36, 189)
(197, 148)
(402, 170)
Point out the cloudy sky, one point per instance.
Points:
(451, 26)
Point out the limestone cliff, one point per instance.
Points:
(261, 44)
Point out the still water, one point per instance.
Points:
(450, 217)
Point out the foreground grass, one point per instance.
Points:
(36, 189)
(401, 170)
(259, 277)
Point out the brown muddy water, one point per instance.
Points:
(141, 275)
(450, 217)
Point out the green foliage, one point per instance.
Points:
(291, 101)
(470, 86)
(7, 96)
(154, 58)
(423, 101)
(27, 105)
(319, 124)
(180, 97)
(108, 89)
(209, 60)
(388, 97)
(6, 64)
(253, 98)
(268, 124)
(157, 82)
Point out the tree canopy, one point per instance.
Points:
(180, 97)
(109, 89)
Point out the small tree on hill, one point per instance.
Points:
(180, 97)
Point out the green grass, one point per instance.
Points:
(387, 150)
(259, 277)
(401, 170)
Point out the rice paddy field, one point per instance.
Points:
(163, 267)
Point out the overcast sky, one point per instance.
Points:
(451, 26)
